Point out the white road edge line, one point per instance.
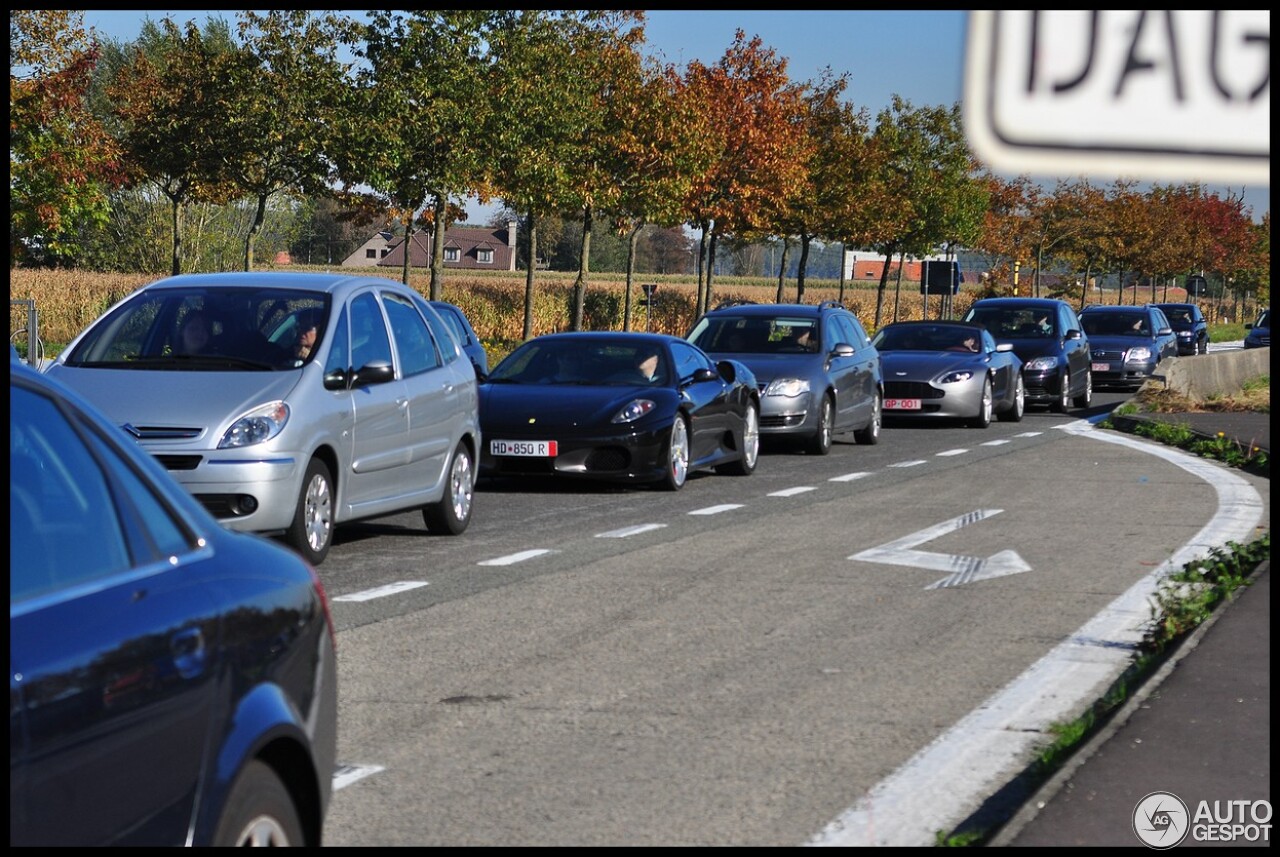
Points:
(943, 783)
(629, 531)
(511, 559)
(791, 492)
(716, 510)
(381, 591)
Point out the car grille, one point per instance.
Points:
(608, 459)
(1102, 354)
(162, 432)
(911, 390)
(180, 462)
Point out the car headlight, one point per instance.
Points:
(633, 411)
(258, 426)
(1184, 334)
(1041, 364)
(789, 387)
(955, 377)
(1138, 354)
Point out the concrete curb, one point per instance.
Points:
(1037, 801)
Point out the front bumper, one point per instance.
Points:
(625, 456)
(245, 493)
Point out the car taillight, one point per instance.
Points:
(324, 604)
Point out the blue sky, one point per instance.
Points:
(916, 54)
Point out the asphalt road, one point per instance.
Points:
(861, 648)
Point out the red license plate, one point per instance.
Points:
(902, 404)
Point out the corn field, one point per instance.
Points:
(67, 301)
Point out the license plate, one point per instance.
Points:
(1102, 367)
(902, 404)
(524, 448)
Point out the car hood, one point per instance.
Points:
(926, 364)
(144, 398)
(519, 406)
(1029, 349)
(766, 367)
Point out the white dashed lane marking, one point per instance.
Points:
(629, 531)
(382, 591)
(512, 559)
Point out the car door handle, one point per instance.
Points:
(188, 651)
(402, 404)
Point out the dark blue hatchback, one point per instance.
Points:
(171, 682)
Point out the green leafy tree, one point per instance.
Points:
(285, 91)
(419, 107)
(171, 111)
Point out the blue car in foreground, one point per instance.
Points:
(171, 682)
(1259, 335)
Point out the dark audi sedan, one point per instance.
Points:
(171, 682)
(1190, 326)
(1047, 335)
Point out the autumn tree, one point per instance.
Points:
(62, 163)
(753, 115)
(285, 88)
(171, 114)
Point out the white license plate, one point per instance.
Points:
(524, 448)
(1102, 367)
(902, 404)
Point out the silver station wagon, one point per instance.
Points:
(289, 403)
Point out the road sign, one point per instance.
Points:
(1163, 95)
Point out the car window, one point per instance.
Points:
(850, 331)
(689, 360)
(337, 360)
(413, 342)
(64, 528)
(369, 340)
(447, 329)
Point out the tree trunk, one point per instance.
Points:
(702, 253)
(782, 271)
(532, 238)
(584, 268)
(259, 218)
(711, 265)
(632, 240)
(897, 286)
(176, 218)
(841, 292)
(884, 283)
(805, 238)
(440, 208)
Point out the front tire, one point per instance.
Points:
(311, 531)
(259, 812)
(1063, 404)
(1083, 401)
(1015, 412)
(820, 443)
(748, 444)
(677, 455)
(983, 417)
(870, 435)
(450, 515)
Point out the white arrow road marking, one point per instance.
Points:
(961, 569)
(345, 775)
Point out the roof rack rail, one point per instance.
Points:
(831, 305)
(733, 303)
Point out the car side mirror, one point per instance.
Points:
(1165, 331)
(373, 372)
(842, 349)
(1073, 334)
(701, 375)
(1004, 346)
(726, 370)
(336, 380)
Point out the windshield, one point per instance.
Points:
(1115, 324)
(928, 337)
(572, 362)
(207, 329)
(756, 335)
(1264, 320)
(1015, 322)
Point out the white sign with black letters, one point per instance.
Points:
(1165, 95)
